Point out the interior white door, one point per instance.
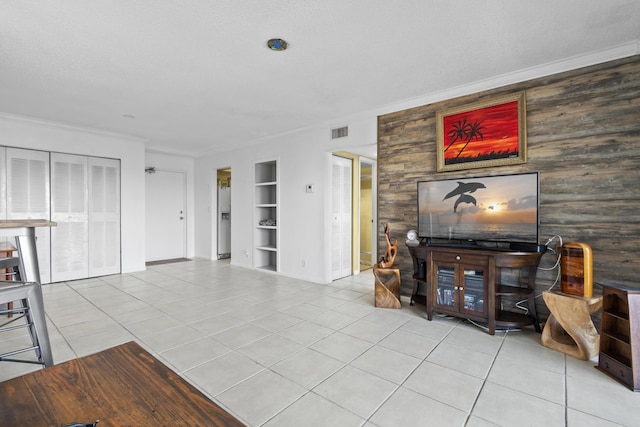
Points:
(104, 216)
(341, 211)
(69, 209)
(165, 215)
(28, 198)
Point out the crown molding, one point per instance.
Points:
(68, 126)
(555, 67)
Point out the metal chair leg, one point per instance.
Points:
(33, 304)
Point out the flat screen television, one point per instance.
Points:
(498, 211)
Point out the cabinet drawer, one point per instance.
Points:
(616, 369)
(480, 260)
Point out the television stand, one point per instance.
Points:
(467, 283)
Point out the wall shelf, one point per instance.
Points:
(266, 220)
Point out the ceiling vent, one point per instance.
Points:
(340, 132)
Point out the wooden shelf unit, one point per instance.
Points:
(620, 334)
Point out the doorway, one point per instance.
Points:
(165, 215)
(223, 217)
(353, 209)
(367, 218)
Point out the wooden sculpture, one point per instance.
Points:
(569, 328)
(387, 287)
(389, 257)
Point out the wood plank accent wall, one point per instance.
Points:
(583, 134)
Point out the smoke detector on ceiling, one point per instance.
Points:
(277, 44)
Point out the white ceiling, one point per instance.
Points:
(196, 75)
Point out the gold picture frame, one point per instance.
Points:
(487, 133)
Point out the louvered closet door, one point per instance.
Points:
(342, 217)
(69, 209)
(104, 216)
(28, 197)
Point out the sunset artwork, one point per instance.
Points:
(481, 135)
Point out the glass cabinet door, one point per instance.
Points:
(460, 288)
(446, 286)
(473, 291)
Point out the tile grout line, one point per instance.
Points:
(484, 380)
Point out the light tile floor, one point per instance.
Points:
(276, 351)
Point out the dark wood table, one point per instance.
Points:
(121, 386)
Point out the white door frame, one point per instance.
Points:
(216, 213)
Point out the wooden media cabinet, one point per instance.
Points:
(470, 283)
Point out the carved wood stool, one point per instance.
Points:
(569, 328)
(387, 287)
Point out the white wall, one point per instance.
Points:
(304, 157)
(176, 163)
(39, 135)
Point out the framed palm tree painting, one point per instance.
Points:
(487, 133)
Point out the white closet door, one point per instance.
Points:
(341, 210)
(69, 209)
(104, 216)
(28, 197)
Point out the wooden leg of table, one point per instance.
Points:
(414, 292)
